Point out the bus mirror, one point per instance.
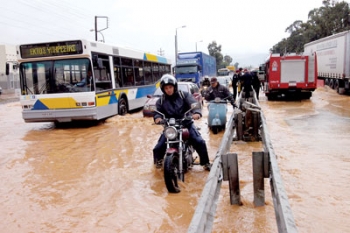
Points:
(260, 68)
(7, 68)
(15, 66)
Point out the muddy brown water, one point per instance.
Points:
(100, 178)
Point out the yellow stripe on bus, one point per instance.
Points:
(151, 57)
(110, 97)
(55, 103)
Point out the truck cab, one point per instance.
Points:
(193, 66)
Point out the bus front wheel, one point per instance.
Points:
(122, 107)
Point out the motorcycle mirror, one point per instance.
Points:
(154, 110)
(193, 106)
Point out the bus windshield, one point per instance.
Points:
(49, 77)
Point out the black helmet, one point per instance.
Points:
(168, 79)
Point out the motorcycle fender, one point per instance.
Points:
(171, 150)
(216, 122)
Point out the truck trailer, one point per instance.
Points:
(290, 75)
(333, 60)
(193, 66)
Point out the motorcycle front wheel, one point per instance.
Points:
(171, 168)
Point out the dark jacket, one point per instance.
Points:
(247, 81)
(219, 91)
(175, 106)
(255, 80)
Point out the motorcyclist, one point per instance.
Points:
(205, 85)
(216, 90)
(206, 81)
(174, 104)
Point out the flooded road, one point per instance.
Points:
(102, 179)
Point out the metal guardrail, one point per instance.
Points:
(264, 165)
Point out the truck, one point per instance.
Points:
(290, 75)
(194, 66)
(333, 53)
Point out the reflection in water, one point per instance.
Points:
(101, 178)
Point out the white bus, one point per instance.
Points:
(84, 80)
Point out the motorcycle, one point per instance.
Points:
(178, 158)
(217, 115)
(205, 85)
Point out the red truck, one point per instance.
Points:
(290, 75)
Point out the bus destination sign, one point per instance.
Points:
(51, 49)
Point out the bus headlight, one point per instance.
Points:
(170, 133)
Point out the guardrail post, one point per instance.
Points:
(230, 173)
(258, 178)
(239, 126)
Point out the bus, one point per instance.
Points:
(64, 81)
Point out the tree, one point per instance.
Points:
(227, 59)
(333, 17)
(215, 51)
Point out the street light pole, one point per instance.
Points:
(196, 44)
(96, 30)
(103, 38)
(176, 42)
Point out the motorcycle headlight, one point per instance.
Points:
(170, 133)
(152, 108)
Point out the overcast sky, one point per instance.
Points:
(241, 27)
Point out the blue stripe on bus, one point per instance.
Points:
(113, 98)
(143, 91)
(162, 59)
(39, 106)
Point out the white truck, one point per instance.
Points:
(333, 60)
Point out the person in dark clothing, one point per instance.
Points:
(247, 83)
(256, 82)
(206, 81)
(240, 81)
(174, 104)
(217, 90)
(235, 79)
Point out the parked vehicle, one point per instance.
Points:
(290, 75)
(193, 66)
(179, 154)
(224, 76)
(333, 60)
(189, 87)
(223, 80)
(217, 115)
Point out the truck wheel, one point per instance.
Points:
(336, 84)
(326, 82)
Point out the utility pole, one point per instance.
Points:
(160, 52)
